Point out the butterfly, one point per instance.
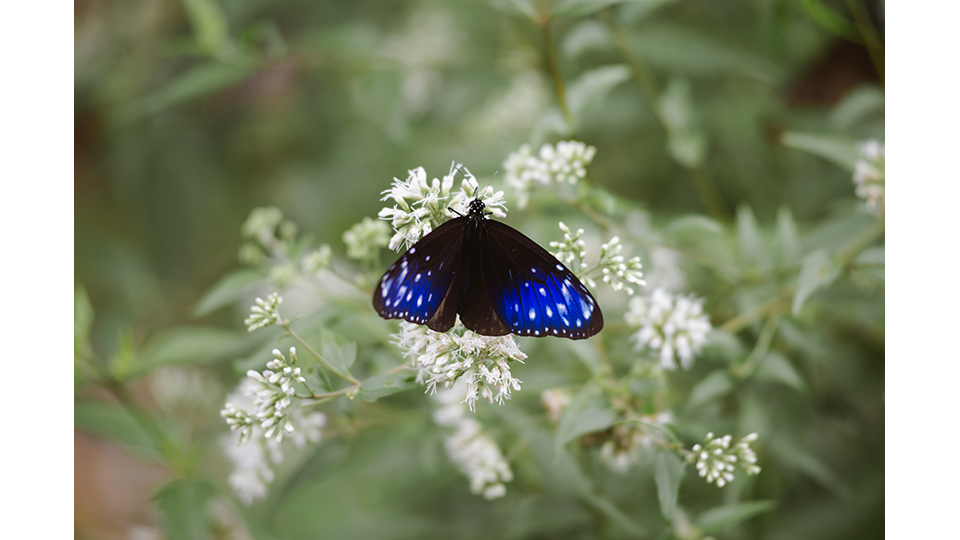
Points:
(499, 281)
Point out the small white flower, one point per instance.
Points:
(481, 362)
(870, 177)
(264, 313)
(565, 162)
(617, 272)
(421, 207)
(673, 325)
(622, 450)
(474, 453)
(316, 261)
(716, 461)
(572, 250)
(365, 239)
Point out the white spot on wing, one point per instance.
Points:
(549, 312)
(533, 314)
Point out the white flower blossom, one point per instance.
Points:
(870, 177)
(251, 449)
(716, 461)
(617, 272)
(565, 162)
(317, 260)
(365, 239)
(673, 325)
(265, 313)
(572, 250)
(474, 453)
(481, 362)
(420, 206)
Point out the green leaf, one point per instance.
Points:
(591, 88)
(197, 82)
(122, 361)
(858, 104)
(579, 8)
(691, 52)
(668, 472)
(188, 345)
(385, 384)
(587, 412)
(113, 422)
(830, 19)
(686, 142)
(82, 319)
(209, 24)
(590, 35)
(181, 505)
(710, 388)
(818, 272)
(725, 345)
(693, 225)
(228, 290)
(516, 7)
(638, 10)
(841, 151)
(776, 367)
(752, 246)
(788, 240)
(871, 263)
(722, 518)
(337, 350)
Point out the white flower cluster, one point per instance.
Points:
(565, 162)
(617, 272)
(266, 233)
(716, 461)
(317, 260)
(422, 206)
(674, 325)
(474, 453)
(249, 447)
(271, 400)
(622, 450)
(265, 313)
(481, 362)
(869, 176)
(365, 239)
(572, 250)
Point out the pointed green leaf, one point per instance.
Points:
(336, 350)
(842, 151)
(776, 367)
(188, 345)
(593, 86)
(587, 412)
(788, 240)
(579, 8)
(590, 35)
(818, 272)
(228, 290)
(752, 246)
(385, 384)
(693, 224)
(668, 472)
(82, 319)
(713, 386)
(182, 508)
(209, 24)
(722, 518)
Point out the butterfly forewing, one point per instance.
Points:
(532, 292)
(415, 287)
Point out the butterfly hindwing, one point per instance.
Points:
(416, 287)
(532, 292)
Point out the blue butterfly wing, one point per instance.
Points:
(532, 292)
(422, 286)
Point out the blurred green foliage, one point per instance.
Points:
(726, 130)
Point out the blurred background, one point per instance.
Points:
(189, 114)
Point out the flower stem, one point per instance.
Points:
(318, 356)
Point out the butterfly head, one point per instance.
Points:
(476, 208)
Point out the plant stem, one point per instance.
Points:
(760, 350)
(550, 56)
(869, 33)
(318, 356)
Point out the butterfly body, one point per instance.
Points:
(498, 280)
